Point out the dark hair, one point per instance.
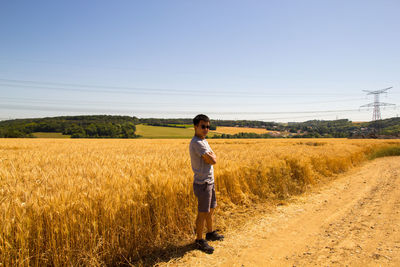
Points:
(200, 117)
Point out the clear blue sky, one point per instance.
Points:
(266, 60)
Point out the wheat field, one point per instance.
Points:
(236, 130)
(99, 202)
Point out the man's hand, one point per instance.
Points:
(210, 158)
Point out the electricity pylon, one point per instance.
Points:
(376, 104)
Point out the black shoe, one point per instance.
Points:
(204, 246)
(213, 236)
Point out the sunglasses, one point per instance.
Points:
(205, 126)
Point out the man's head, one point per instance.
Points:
(201, 125)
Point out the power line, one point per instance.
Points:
(131, 91)
(66, 108)
(24, 82)
(137, 90)
(297, 117)
(64, 101)
(178, 113)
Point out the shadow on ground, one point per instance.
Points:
(165, 255)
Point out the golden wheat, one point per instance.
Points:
(108, 202)
(235, 130)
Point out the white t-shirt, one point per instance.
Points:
(203, 172)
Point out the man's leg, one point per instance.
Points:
(204, 194)
(212, 235)
(210, 220)
(201, 217)
(213, 204)
(200, 242)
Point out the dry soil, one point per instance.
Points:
(353, 220)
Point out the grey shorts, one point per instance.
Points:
(205, 194)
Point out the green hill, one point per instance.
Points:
(91, 126)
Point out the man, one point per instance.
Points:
(203, 158)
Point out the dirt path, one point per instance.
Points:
(352, 221)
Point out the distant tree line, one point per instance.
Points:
(387, 127)
(343, 128)
(159, 122)
(90, 126)
(320, 128)
(245, 123)
(107, 126)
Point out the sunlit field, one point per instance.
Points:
(160, 132)
(154, 132)
(235, 130)
(108, 202)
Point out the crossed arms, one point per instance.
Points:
(210, 157)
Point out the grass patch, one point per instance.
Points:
(182, 125)
(386, 152)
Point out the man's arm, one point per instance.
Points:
(210, 157)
